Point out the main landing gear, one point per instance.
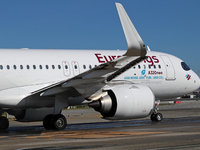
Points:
(156, 117)
(4, 123)
(55, 122)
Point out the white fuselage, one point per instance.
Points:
(23, 71)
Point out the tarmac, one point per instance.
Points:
(180, 129)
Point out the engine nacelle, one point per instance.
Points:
(128, 101)
(28, 115)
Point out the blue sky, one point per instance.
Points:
(170, 26)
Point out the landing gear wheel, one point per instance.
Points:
(4, 123)
(156, 117)
(48, 122)
(159, 117)
(153, 117)
(59, 122)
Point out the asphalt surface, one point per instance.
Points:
(180, 129)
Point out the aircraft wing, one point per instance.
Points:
(89, 82)
(135, 43)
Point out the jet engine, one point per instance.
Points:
(127, 101)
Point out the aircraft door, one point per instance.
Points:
(170, 72)
(75, 68)
(66, 68)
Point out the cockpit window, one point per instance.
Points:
(184, 66)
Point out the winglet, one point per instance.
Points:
(148, 49)
(136, 46)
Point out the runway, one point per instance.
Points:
(180, 129)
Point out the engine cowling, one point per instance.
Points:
(128, 101)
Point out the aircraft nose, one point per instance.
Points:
(196, 80)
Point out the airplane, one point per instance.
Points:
(37, 84)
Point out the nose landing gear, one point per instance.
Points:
(155, 116)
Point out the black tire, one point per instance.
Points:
(4, 123)
(153, 117)
(159, 117)
(48, 122)
(60, 122)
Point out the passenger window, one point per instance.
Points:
(8, 67)
(34, 67)
(21, 67)
(40, 66)
(139, 66)
(95, 65)
(90, 66)
(53, 67)
(47, 67)
(66, 67)
(154, 66)
(149, 66)
(27, 67)
(134, 67)
(144, 67)
(159, 66)
(59, 67)
(84, 67)
(75, 66)
(1, 67)
(14, 67)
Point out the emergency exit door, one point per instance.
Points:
(170, 72)
(75, 68)
(66, 68)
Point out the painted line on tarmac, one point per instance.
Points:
(81, 134)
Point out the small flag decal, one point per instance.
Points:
(188, 76)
